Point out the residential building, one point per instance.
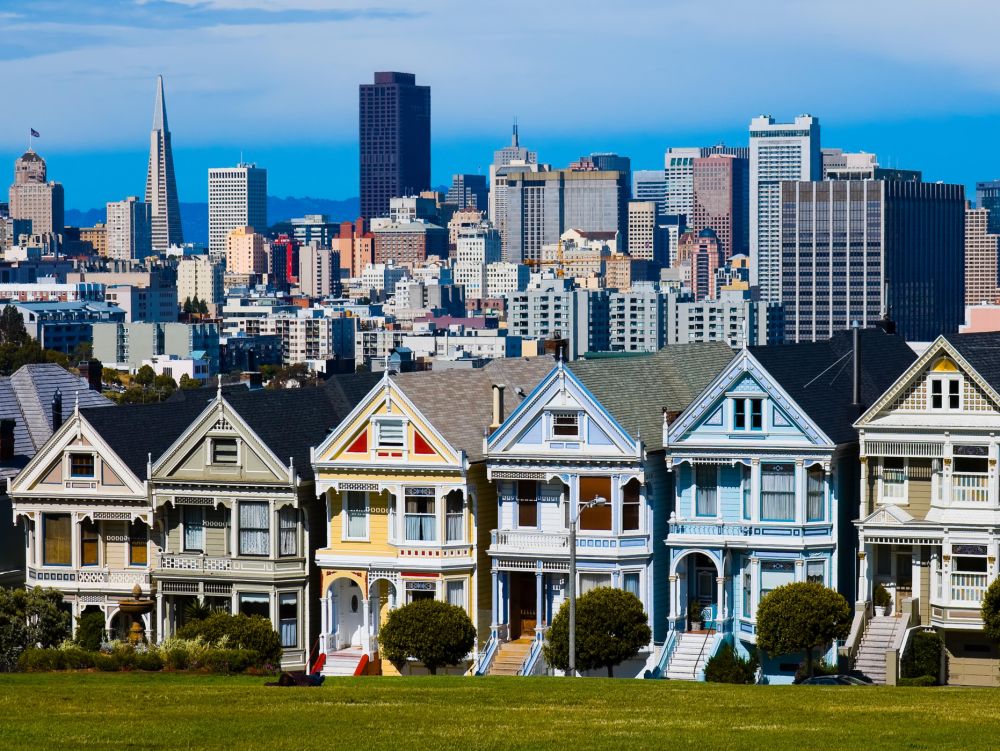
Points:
(176, 367)
(201, 277)
(982, 257)
(237, 197)
(381, 277)
(394, 123)
(128, 230)
(898, 253)
(308, 335)
(126, 345)
(408, 243)
(153, 302)
(319, 271)
(734, 318)
(35, 199)
(161, 185)
(97, 238)
(44, 289)
(554, 310)
(646, 241)
(765, 475)
(721, 201)
(245, 253)
(316, 227)
(637, 320)
(63, 326)
(464, 219)
(476, 248)
(504, 278)
(413, 208)
(778, 152)
(469, 191)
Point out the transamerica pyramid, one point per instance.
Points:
(161, 188)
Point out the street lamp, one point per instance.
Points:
(573, 519)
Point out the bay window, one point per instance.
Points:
(777, 492)
(527, 503)
(288, 531)
(288, 619)
(596, 518)
(138, 544)
(815, 572)
(254, 533)
(589, 581)
(421, 521)
(357, 514)
(454, 517)
(706, 481)
(88, 543)
(893, 480)
(456, 592)
(194, 529)
(815, 494)
(57, 535)
(630, 582)
(255, 603)
(630, 506)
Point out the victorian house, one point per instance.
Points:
(574, 451)
(929, 516)
(409, 508)
(765, 467)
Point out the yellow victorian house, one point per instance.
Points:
(408, 503)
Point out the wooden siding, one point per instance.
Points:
(966, 667)
(918, 491)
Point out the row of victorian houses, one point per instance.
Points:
(719, 476)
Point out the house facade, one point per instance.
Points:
(929, 514)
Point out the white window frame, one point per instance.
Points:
(697, 489)
(298, 616)
(465, 598)
(346, 524)
(377, 424)
(553, 414)
(812, 562)
(185, 509)
(882, 499)
(637, 572)
(69, 466)
(945, 381)
(211, 451)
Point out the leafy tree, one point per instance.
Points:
(203, 307)
(611, 627)
(30, 618)
(165, 385)
(726, 666)
(431, 631)
(187, 382)
(90, 630)
(801, 617)
(82, 352)
(923, 658)
(110, 376)
(12, 329)
(990, 611)
(187, 307)
(145, 376)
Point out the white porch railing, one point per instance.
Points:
(86, 577)
(970, 488)
(531, 541)
(205, 564)
(968, 588)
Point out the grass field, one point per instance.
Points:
(174, 711)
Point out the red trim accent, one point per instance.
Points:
(420, 446)
(414, 574)
(362, 664)
(360, 445)
(320, 662)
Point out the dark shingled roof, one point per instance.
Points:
(819, 376)
(637, 389)
(982, 352)
(289, 421)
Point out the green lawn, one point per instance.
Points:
(170, 711)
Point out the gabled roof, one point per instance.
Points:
(982, 352)
(818, 376)
(459, 403)
(637, 390)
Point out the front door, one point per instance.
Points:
(904, 579)
(523, 617)
(349, 613)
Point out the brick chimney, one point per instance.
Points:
(57, 415)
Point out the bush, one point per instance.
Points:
(90, 631)
(431, 631)
(75, 657)
(920, 680)
(36, 660)
(175, 653)
(819, 668)
(990, 611)
(107, 663)
(253, 633)
(227, 661)
(30, 618)
(726, 666)
(923, 657)
(881, 597)
(148, 661)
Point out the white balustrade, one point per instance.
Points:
(970, 488)
(968, 588)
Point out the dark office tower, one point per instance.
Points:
(856, 250)
(161, 188)
(988, 197)
(469, 191)
(394, 121)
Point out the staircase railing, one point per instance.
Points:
(531, 659)
(487, 655)
(862, 614)
(717, 640)
(697, 669)
(666, 652)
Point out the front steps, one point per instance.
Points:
(342, 661)
(690, 655)
(511, 656)
(881, 634)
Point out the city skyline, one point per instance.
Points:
(889, 98)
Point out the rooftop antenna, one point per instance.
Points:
(513, 139)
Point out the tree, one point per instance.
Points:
(90, 630)
(801, 617)
(203, 307)
(145, 376)
(30, 618)
(110, 376)
(12, 329)
(188, 383)
(187, 305)
(431, 631)
(990, 611)
(611, 627)
(726, 666)
(82, 352)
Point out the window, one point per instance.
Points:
(390, 434)
(138, 544)
(893, 479)
(815, 494)
(630, 506)
(756, 414)
(706, 480)
(357, 515)
(746, 473)
(420, 591)
(81, 465)
(421, 523)
(56, 534)
(255, 603)
(946, 393)
(593, 581)
(527, 503)
(454, 517)
(748, 414)
(288, 619)
(254, 529)
(194, 529)
(815, 571)
(566, 424)
(774, 574)
(740, 414)
(88, 543)
(630, 582)
(777, 492)
(288, 531)
(747, 589)
(596, 518)
(970, 564)
(224, 451)
(456, 593)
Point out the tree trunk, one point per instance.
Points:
(611, 671)
(809, 661)
(433, 669)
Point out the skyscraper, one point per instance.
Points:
(778, 151)
(34, 199)
(650, 185)
(981, 257)
(128, 229)
(161, 187)
(988, 197)
(237, 197)
(469, 191)
(394, 121)
(720, 185)
(514, 156)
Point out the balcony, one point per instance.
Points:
(202, 565)
(970, 488)
(87, 577)
(748, 529)
(956, 600)
(531, 542)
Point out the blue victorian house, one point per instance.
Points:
(765, 465)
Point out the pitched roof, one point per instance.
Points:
(636, 390)
(459, 403)
(982, 352)
(819, 376)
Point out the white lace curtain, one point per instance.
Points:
(777, 493)
(253, 528)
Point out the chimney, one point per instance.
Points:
(856, 350)
(252, 380)
(6, 440)
(94, 370)
(57, 417)
(497, 406)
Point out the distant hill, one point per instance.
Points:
(194, 216)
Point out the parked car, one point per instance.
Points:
(834, 680)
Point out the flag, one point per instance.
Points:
(34, 133)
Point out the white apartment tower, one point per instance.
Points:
(128, 230)
(199, 277)
(778, 152)
(237, 197)
(319, 270)
(517, 155)
(678, 172)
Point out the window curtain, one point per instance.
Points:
(592, 581)
(357, 512)
(288, 618)
(631, 582)
(707, 490)
(57, 529)
(194, 528)
(253, 528)
(456, 593)
(815, 495)
(287, 531)
(777, 493)
(420, 517)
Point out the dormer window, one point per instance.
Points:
(81, 465)
(390, 434)
(946, 393)
(748, 414)
(565, 424)
(225, 451)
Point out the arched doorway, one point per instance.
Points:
(697, 597)
(348, 614)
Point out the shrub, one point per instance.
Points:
(881, 597)
(801, 617)
(920, 680)
(30, 618)
(611, 627)
(107, 663)
(923, 657)
(253, 633)
(990, 611)
(819, 668)
(227, 661)
(174, 652)
(726, 666)
(431, 631)
(36, 660)
(90, 630)
(75, 657)
(148, 661)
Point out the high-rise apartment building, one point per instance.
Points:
(319, 271)
(862, 250)
(553, 310)
(128, 230)
(394, 121)
(637, 320)
(245, 252)
(646, 239)
(988, 197)
(469, 191)
(721, 201)
(237, 197)
(161, 186)
(408, 243)
(35, 199)
(778, 152)
(650, 185)
(981, 258)
(198, 276)
(678, 166)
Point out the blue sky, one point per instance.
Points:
(277, 79)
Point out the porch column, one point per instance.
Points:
(800, 491)
(864, 586)
(800, 570)
(863, 500)
(721, 603)
(754, 587)
(158, 636)
(366, 637)
(935, 574)
(674, 600)
(539, 583)
(495, 608)
(324, 619)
